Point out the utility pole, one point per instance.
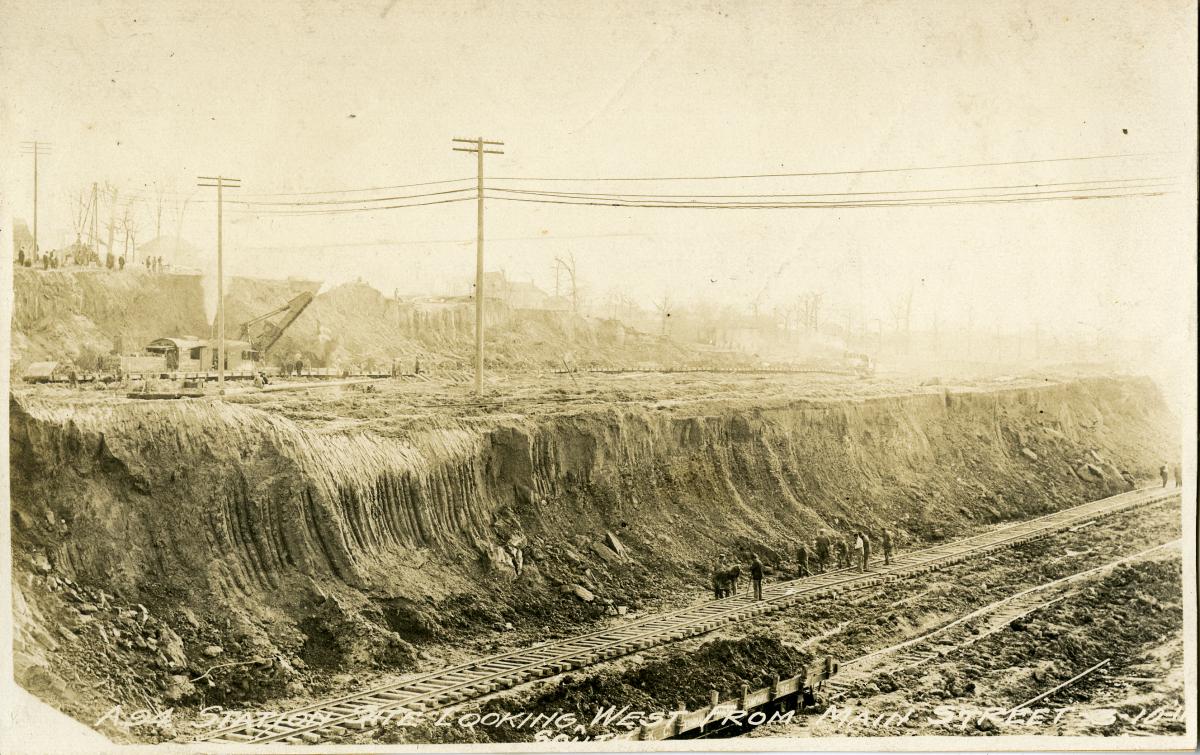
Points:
(35, 149)
(479, 148)
(221, 184)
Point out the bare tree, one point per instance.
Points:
(663, 306)
(110, 195)
(81, 205)
(129, 225)
(159, 198)
(810, 310)
(567, 266)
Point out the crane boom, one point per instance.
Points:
(263, 334)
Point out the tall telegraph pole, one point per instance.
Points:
(221, 183)
(480, 147)
(35, 149)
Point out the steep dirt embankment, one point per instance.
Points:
(82, 315)
(301, 540)
(356, 324)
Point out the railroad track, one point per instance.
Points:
(447, 687)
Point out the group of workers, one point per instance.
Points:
(828, 551)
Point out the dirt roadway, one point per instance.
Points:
(388, 404)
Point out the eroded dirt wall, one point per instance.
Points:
(160, 543)
(228, 499)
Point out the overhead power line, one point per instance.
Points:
(906, 169)
(976, 199)
(364, 188)
(395, 198)
(346, 210)
(1085, 183)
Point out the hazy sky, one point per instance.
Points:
(311, 96)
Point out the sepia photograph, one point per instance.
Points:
(557, 376)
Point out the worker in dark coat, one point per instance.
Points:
(843, 553)
(887, 547)
(802, 561)
(1162, 471)
(865, 542)
(720, 577)
(756, 576)
(822, 548)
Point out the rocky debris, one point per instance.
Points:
(579, 591)
(607, 554)
(189, 616)
(1028, 454)
(172, 647)
(40, 563)
(179, 689)
(610, 539)
(339, 635)
(212, 651)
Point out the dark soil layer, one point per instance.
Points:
(679, 676)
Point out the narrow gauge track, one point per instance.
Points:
(447, 687)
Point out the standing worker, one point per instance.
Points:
(801, 561)
(822, 549)
(887, 547)
(1162, 471)
(843, 553)
(1178, 475)
(756, 576)
(719, 577)
(866, 550)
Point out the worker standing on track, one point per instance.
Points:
(720, 577)
(822, 549)
(756, 576)
(1178, 475)
(1162, 471)
(866, 550)
(887, 546)
(801, 561)
(843, 553)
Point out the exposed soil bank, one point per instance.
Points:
(297, 548)
(82, 315)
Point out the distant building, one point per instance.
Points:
(518, 294)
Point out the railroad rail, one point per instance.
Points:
(474, 679)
